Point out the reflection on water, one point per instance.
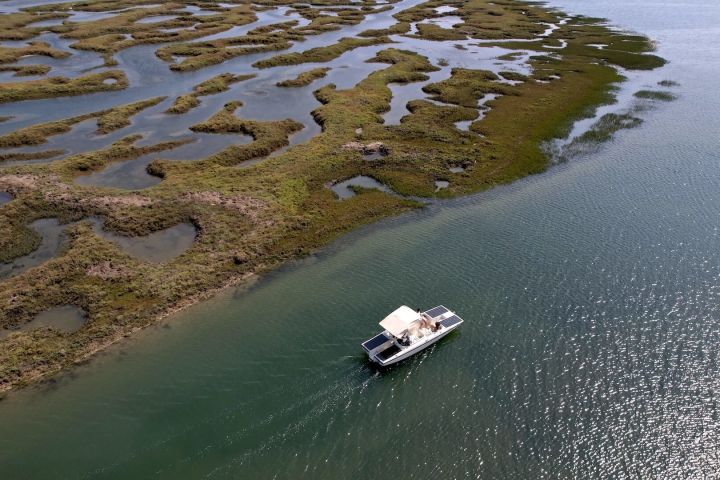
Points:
(441, 184)
(155, 19)
(76, 64)
(52, 235)
(345, 189)
(47, 23)
(444, 9)
(279, 15)
(130, 174)
(133, 174)
(444, 22)
(65, 319)
(483, 108)
(157, 247)
(403, 93)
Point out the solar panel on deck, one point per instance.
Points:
(450, 321)
(375, 342)
(437, 311)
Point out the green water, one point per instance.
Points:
(591, 296)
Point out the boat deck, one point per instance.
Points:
(388, 352)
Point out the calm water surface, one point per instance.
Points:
(590, 350)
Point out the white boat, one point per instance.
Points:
(408, 331)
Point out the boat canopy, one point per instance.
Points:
(398, 321)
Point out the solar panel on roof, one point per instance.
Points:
(437, 311)
(450, 321)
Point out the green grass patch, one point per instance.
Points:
(107, 121)
(305, 78)
(655, 95)
(26, 70)
(217, 84)
(63, 86)
(320, 54)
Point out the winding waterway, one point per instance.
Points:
(591, 296)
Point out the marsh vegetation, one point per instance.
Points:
(655, 95)
(305, 78)
(160, 81)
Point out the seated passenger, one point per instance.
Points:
(427, 321)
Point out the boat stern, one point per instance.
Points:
(377, 344)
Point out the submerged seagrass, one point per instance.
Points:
(251, 219)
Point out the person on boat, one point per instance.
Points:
(427, 321)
